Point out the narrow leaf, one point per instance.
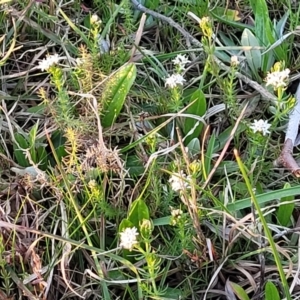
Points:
(115, 92)
(253, 56)
(197, 108)
(285, 211)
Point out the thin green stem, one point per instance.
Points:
(265, 225)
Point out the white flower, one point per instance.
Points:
(179, 181)
(260, 126)
(94, 19)
(174, 80)
(128, 238)
(180, 61)
(234, 61)
(278, 79)
(176, 215)
(47, 62)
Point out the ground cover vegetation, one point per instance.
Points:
(141, 149)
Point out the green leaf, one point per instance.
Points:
(266, 34)
(58, 141)
(208, 157)
(115, 92)
(138, 212)
(162, 221)
(194, 146)
(264, 198)
(285, 211)
(271, 292)
(21, 144)
(222, 139)
(198, 108)
(32, 140)
(39, 109)
(134, 166)
(227, 14)
(125, 224)
(230, 22)
(249, 41)
(239, 291)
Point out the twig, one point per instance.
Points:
(168, 20)
(291, 139)
(266, 94)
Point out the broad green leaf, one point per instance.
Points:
(285, 211)
(125, 224)
(253, 56)
(115, 92)
(239, 291)
(197, 108)
(138, 212)
(271, 292)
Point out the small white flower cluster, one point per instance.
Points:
(174, 80)
(176, 215)
(180, 61)
(177, 79)
(260, 126)
(179, 181)
(278, 79)
(128, 238)
(234, 61)
(95, 20)
(49, 61)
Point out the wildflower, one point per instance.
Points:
(174, 80)
(47, 62)
(92, 184)
(180, 61)
(179, 182)
(278, 79)
(176, 215)
(146, 229)
(94, 19)
(128, 238)
(206, 26)
(260, 126)
(234, 61)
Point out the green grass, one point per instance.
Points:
(100, 141)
